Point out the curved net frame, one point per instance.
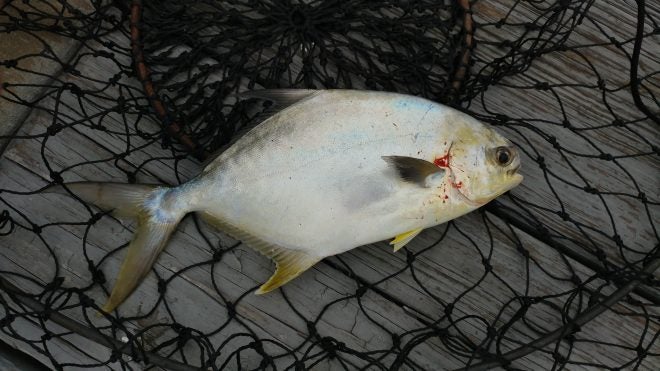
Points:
(559, 273)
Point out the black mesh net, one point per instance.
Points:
(559, 273)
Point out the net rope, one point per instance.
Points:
(149, 87)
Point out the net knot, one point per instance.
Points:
(185, 334)
(396, 341)
(130, 177)
(311, 328)
(56, 177)
(74, 89)
(103, 54)
(502, 117)
(9, 63)
(541, 161)
(85, 301)
(217, 255)
(410, 257)
(56, 283)
(564, 215)
(257, 346)
(553, 140)
(606, 157)
(162, 286)
(115, 79)
(618, 122)
(265, 361)
(36, 228)
(96, 217)
(448, 309)
(542, 86)
(97, 275)
(524, 251)
(641, 352)
(231, 309)
(563, 4)
(6, 220)
(45, 314)
(487, 266)
(54, 129)
(576, 280)
(491, 332)
(600, 255)
(361, 291)
(115, 355)
(331, 346)
(527, 301)
(590, 189)
(6, 320)
(558, 357)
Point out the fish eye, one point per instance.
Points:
(503, 156)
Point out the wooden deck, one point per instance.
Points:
(398, 304)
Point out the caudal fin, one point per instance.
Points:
(155, 223)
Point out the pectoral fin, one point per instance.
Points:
(403, 239)
(413, 170)
(289, 263)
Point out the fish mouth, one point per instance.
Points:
(516, 179)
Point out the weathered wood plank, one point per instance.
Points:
(446, 270)
(579, 146)
(37, 56)
(378, 259)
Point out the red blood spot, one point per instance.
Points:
(446, 197)
(457, 185)
(442, 161)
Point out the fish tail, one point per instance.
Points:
(154, 208)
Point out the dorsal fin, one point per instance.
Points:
(281, 98)
(289, 263)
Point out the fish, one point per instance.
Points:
(327, 171)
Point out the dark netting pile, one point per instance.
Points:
(557, 274)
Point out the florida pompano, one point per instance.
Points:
(332, 170)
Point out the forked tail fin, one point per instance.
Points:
(156, 218)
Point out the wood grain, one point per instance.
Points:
(401, 299)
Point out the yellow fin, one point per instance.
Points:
(289, 263)
(402, 239)
(148, 241)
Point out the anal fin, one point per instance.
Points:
(289, 263)
(403, 239)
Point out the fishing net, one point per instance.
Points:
(559, 273)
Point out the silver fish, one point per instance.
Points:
(331, 171)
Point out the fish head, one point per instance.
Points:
(483, 164)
